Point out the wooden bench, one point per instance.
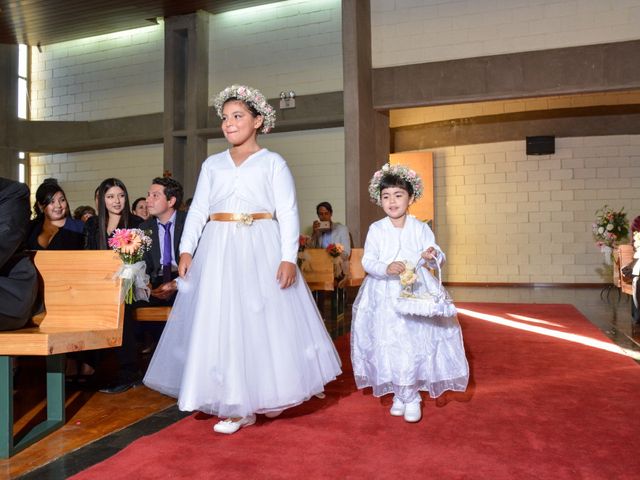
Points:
(623, 256)
(83, 311)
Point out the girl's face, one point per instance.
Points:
(141, 210)
(238, 125)
(57, 208)
(114, 200)
(395, 202)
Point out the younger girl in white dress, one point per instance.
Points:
(395, 352)
(244, 335)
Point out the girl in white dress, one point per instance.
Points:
(395, 352)
(244, 335)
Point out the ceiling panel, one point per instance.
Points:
(53, 21)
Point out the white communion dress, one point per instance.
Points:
(399, 353)
(236, 343)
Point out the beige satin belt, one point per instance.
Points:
(245, 218)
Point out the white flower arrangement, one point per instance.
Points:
(400, 171)
(251, 96)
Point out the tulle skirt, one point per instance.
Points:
(402, 354)
(236, 343)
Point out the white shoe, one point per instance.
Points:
(412, 412)
(273, 414)
(398, 407)
(321, 395)
(228, 426)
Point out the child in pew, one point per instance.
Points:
(396, 352)
(244, 335)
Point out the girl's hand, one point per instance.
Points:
(430, 254)
(184, 264)
(286, 274)
(395, 268)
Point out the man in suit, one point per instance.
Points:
(18, 276)
(166, 221)
(165, 224)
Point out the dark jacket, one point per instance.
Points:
(152, 257)
(18, 276)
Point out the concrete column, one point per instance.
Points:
(366, 131)
(186, 70)
(8, 110)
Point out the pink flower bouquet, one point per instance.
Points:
(131, 244)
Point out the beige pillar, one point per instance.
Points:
(186, 71)
(8, 110)
(366, 131)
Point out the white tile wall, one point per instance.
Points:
(533, 220)
(80, 173)
(291, 45)
(406, 32)
(316, 159)
(106, 76)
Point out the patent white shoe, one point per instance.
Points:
(412, 412)
(398, 407)
(273, 414)
(228, 426)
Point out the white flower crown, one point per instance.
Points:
(401, 171)
(251, 96)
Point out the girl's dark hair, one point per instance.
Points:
(82, 210)
(103, 214)
(391, 180)
(135, 204)
(44, 196)
(251, 108)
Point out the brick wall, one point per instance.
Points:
(80, 173)
(503, 216)
(292, 45)
(418, 31)
(106, 76)
(316, 159)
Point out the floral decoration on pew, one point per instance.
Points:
(303, 257)
(610, 229)
(340, 264)
(335, 249)
(131, 244)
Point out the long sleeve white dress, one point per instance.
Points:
(393, 352)
(236, 343)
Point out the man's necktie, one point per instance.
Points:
(166, 253)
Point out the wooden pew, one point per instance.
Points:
(623, 256)
(83, 311)
(356, 270)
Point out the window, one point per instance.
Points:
(22, 168)
(23, 81)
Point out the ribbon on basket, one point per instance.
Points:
(135, 282)
(434, 302)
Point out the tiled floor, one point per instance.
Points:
(606, 309)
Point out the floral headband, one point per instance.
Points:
(250, 96)
(401, 171)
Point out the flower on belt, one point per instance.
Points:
(245, 218)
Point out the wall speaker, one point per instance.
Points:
(543, 145)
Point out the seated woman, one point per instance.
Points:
(53, 228)
(139, 208)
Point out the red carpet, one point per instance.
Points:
(538, 407)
